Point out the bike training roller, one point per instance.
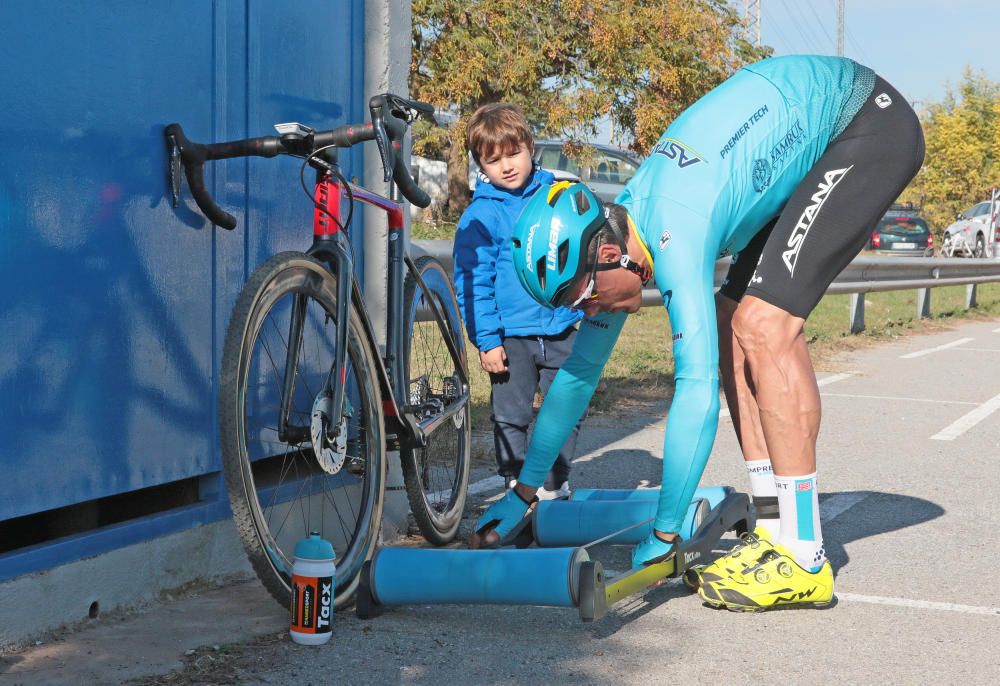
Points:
(554, 577)
(713, 494)
(560, 523)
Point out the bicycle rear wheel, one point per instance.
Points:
(280, 487)
(436, 476)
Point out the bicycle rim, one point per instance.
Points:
(436, 476)
(278, 489)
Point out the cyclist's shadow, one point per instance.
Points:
(867, 513)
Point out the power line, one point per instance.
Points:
(819, 21)
(780, 33)
(857, 45)
(800, 25)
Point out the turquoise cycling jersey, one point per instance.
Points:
(720, 173)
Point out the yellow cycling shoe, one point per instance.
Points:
(776, 581)
(745, 554)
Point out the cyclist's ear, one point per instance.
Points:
(609, 252)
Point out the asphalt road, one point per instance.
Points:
(908, 471)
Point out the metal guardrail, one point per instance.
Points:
(863, 275)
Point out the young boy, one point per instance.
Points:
(521, 344)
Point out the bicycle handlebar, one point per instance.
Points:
(391, 115)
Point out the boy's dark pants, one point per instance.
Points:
(532, 362)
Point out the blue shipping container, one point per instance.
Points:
(114, 303)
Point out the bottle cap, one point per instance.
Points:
(314, 548)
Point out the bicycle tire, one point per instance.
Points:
(436, 476)
(278, 491)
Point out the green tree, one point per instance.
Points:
(568, 63)
(962, 164)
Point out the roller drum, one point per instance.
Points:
(573, 523)
(713, 494)
(532, 576)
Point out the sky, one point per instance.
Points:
(918, 46)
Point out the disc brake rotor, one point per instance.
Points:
(330, 454)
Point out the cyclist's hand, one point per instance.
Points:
(494, 361)
(500, 518)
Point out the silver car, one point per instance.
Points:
(972, 231)
(606, 174)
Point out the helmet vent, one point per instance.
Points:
(563, 256)
(540, 271)
(582, 203)
(516, 242)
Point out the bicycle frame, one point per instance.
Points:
(330, 246)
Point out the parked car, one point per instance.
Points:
(902, 232)
(606, 173)
(970, 233)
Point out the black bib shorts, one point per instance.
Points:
(792, 260)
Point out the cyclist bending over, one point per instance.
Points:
(786, 165)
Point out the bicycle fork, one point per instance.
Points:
(330, 410)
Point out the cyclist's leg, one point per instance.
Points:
(738, 386)
(556, 350)
(736, 380)
(823, 226)
(511, 402)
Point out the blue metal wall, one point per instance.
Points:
(113, 304)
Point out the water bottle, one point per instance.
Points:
(313, 578)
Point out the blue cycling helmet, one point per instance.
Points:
(551, 238)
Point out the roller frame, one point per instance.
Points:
(594, 594)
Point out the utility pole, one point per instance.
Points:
(840, 28)
(751, 20)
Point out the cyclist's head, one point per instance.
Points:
(498, 128)
(554, 242)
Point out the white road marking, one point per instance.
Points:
(980, 350)
(921, 353)
(892, 397)
(966, 422)
(996, 330)
(918, 604)
(825, 381)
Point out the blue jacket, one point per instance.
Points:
(492, 301)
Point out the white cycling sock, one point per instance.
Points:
(764, 495)
(798, 501)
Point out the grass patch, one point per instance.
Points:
(433, 231)
(641, 367)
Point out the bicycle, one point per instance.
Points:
(308, 406)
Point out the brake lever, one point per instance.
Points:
(382, 140)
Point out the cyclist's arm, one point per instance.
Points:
(475, 256)
(685, 276)
(569, 394)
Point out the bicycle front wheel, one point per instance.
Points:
(285, 476)
(437, 475)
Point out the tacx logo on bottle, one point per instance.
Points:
(675, 150)
(826, 186)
